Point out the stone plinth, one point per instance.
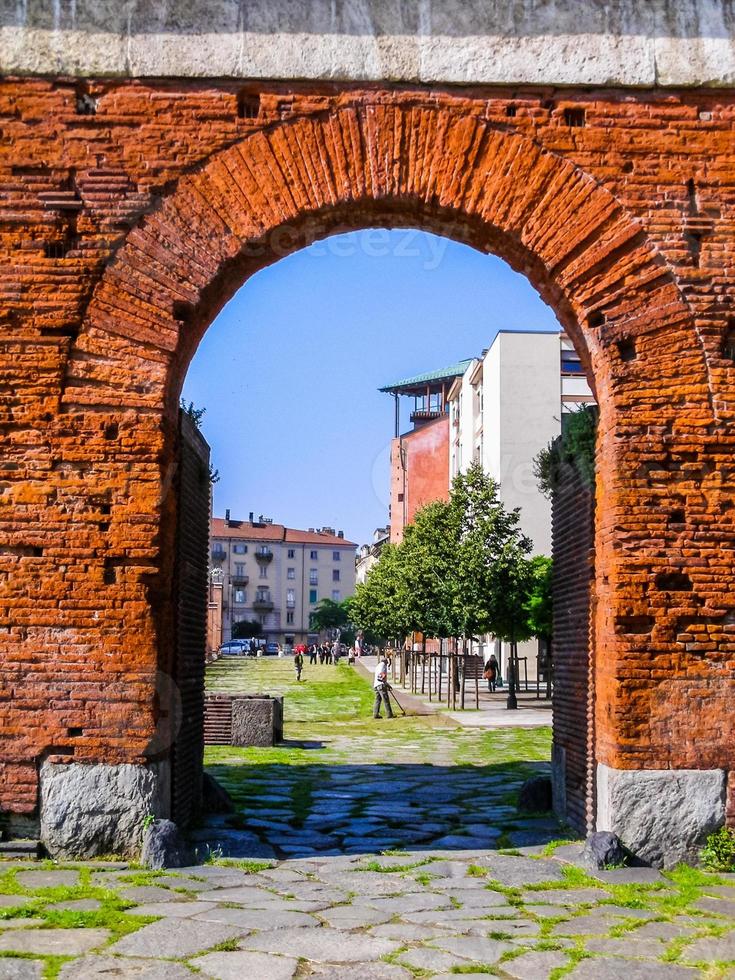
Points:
(257, 720)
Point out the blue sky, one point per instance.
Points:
(290, 369)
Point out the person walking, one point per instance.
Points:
(382, 688)
(492, 669)
(312, 653)
(298, 662)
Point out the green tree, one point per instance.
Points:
(539, 605)
(245, 629)
(379, 605)
(329, 614)
(429, 557)
(194, 413)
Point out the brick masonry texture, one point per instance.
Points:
(130, 212)
(573, 522)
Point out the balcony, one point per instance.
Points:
(422, 415)
(263, 603)
(239, 580)
(264, 555)
(219, 554)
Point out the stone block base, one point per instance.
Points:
(95, 809)
(257, 721)
(662, 815)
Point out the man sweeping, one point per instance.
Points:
(380, 684)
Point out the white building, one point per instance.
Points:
(276, 575)
(506, 407)
(369, 554)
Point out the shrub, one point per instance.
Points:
(718, 854)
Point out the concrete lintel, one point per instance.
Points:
(673, 43)
(662, 815)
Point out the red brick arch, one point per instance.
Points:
(395, 160)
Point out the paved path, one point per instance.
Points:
(532, 712)
(367, 850)
(351, 918)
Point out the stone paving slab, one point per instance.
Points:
(19, 922)
(617, 969)
(21, 969)
(720, 906)
(323, 945)
(431, 959)
(248, 919)
(711, 948)
(66, 942)
(174, 938)
(175, 910)
(48, 879)
(473, 948)
(354, 917)
(242, 965)
(365, 971)
(115, 968)
(534, 966)
(14, 901)
(77, 905)
(628, 945)
(150, 893)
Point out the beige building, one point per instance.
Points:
(276, 575)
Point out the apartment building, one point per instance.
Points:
(507, 406)
(276, 575)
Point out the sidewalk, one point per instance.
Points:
(532, 712)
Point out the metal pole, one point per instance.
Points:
(512, 703)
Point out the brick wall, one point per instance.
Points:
(573, 543)
(123, 232)
(190, 597)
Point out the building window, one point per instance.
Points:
(239, 569)
(314, 555)
(240, 549)
(313, 576)
(312, 596)
(335, 556)
(289, 618)
(264, 571)
(335, 575)
(291, 573)
(335, 595)
(239, 596)
(291, 552)
(570, 363)
(291, 598)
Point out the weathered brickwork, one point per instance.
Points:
(573, 544)
(130, 212)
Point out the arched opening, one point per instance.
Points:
(300, 354)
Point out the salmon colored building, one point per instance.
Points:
(419, 458)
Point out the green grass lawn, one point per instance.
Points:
(328, 721)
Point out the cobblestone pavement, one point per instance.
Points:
(366, 850)
(425, 913)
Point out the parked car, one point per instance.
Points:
(234, 648)
(271, 649)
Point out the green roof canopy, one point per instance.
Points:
(419, 383)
